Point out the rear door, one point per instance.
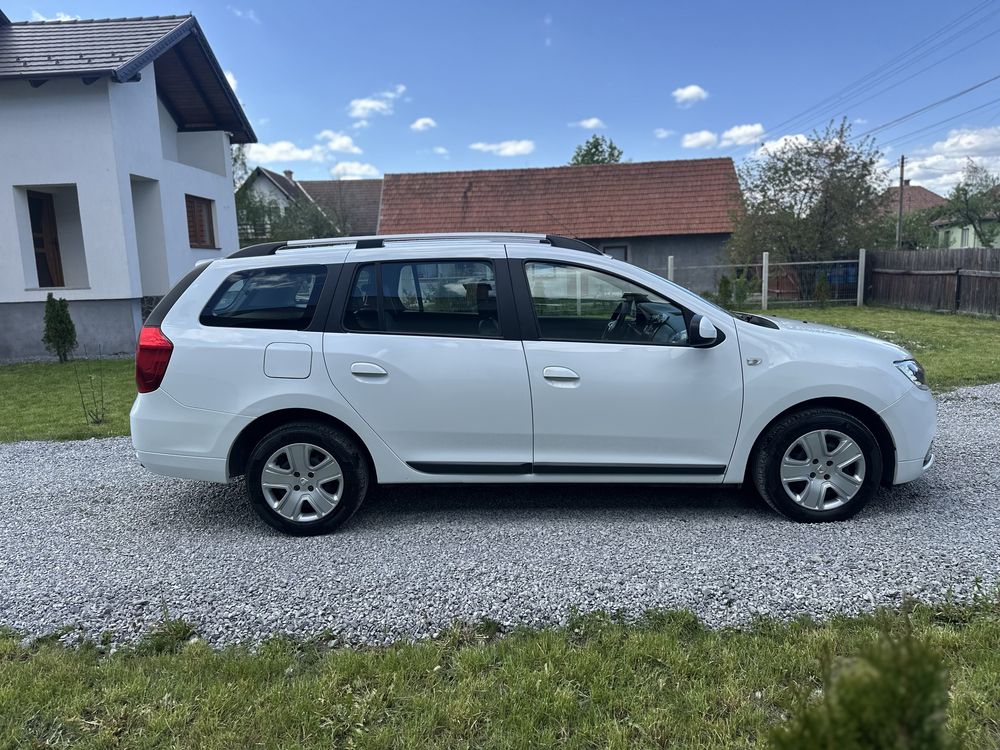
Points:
(424, 346)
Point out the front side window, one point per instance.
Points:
(438, 298)
(282, 298)
(573, 303)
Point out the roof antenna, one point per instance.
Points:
(565, 228)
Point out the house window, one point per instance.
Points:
(201, 229)
(618, 252)
(965, 237)
(947, 238)
(48, 262)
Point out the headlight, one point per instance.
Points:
(912, 369)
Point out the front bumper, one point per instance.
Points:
(912, 422)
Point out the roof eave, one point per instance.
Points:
(251, 137)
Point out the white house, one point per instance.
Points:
(115, 171)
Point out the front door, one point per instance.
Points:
(421, 355)
(616, 389)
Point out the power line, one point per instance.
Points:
(890, 65)
(898, 140)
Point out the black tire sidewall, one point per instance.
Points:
(778, 439)
(353, 465)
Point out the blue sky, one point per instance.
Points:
(354, 89)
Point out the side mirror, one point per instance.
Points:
(701, 331)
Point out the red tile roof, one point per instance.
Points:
(915, 198)
(593, 201)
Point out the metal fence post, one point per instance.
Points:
(861, 277)
(763, 280)
(670, 267)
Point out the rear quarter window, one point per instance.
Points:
(282, 298)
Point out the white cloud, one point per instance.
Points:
(59, 16)
(505, 148)
(329, 142)
(699, 139)
(360, 124)
(742, 135)
(423, 123)
(589, 123)
(283, 151)
(663, 133)
(376, 104)
(232, 79)
(778, 144)
(338, 142)
(353, 170)
(687, 96)
(940, 166)
(247, 15)
(440, 150)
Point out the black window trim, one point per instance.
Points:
(330, 279)
(529, 320)
(507, 315)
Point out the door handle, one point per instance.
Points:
(559, 373)
(367, 370)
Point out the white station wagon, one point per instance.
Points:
(317, 368)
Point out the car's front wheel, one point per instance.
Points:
(306, 478)
(818, 465)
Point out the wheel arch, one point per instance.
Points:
(251, 434)
(865, 414)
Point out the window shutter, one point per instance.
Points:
(201, 233)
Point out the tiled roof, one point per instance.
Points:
(356, 202)
(593, 201)
(189, 79)
(915, 198)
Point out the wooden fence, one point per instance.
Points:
(962, 280)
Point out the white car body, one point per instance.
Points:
(459, 409)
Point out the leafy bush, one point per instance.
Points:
(60, 333)
(894, 696)
(821, 294)
(724, 294)
(741, 290)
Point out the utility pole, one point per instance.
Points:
(899, 215)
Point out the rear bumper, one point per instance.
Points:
(912, 421)
(179, 441)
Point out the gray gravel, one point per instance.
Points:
(89, 539)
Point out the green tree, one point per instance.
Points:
(60, 333)
(816, 198)
(975, 201)
(597, 150)
(240, 169)
(918, 230)
(261, 220)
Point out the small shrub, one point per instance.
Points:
(91, 388)
(741, 290)
(60, 333)
(895, 695)
(724, 294)
(822, 291)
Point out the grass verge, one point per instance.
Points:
(41, 400)
(664, 681)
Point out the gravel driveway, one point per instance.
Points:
(88, 538)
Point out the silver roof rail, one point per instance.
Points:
(374, 241)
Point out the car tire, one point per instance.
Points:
(332, 468)
(817, 465)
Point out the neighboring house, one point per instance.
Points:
(350, 204)
(115, 171)
(915, 198)
(952, 234)
(640, 212)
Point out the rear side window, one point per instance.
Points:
(438, 298)
(283, 298)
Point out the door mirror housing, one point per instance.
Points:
(701, 331)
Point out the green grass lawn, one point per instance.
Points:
(954, 349)
(41, 400)
(665, 681)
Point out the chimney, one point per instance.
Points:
(906, 183)
(288, 174)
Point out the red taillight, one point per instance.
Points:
(152, 355)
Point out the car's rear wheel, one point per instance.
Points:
(818, 465)
(306, 478)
